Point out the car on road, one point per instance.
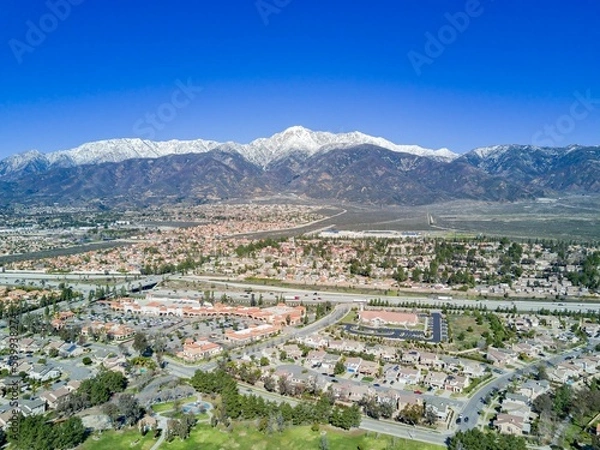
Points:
(459, 420)
(418, 392)
(466, 419)
(376, 384)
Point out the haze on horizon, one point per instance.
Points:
(457, 74)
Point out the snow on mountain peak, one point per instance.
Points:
(299, 139)
(261, 151)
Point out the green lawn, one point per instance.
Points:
(179, 415)
(350, 317)
(246, 437)
(459, 323)
(160, 407)
(113, 440)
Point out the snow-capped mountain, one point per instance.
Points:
(262, 151)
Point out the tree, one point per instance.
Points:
(541, 372)
(430, 416)
(475, 439)
(339, 368)
(324, 443)
(140, 343)
(159, 346)
(412, 414)
(400, 276)
(129, 409)
(285, 388)
(563, 400)
(70, 433)
(371, 407)
(112, 411)
(36, 433)
(86, 361)
(270, 383)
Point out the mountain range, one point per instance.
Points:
(350, 167)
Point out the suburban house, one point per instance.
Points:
(473, 369)
(329, 361)
(32, 407)
(408, 375)
(500, 357)
(353, 365)
(44, 373)
(411, 357)
(55, 397)
(456, 383)
(510, 424)
(315, 341)
(5, 418)
(369, 368)
(431, 360)
(408, 398)
(358, 391)
(69, 349)
(440, 407)
(531, 388)
(436, 380)
(292, 351)
(526, 349)
(315, 358)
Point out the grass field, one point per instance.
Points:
(350, 317)
(113, 440)
(460, 323)
(160, 407)
(246, 437)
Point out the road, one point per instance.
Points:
(307, 296)
(380, 426)
(79, 283)
(184, 371)
(474, 406)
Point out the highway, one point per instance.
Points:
(79, 282)
(307, 296)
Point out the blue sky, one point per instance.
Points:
(97, 71)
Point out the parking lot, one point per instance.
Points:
(437, 331)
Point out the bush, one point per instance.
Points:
(86, 361)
